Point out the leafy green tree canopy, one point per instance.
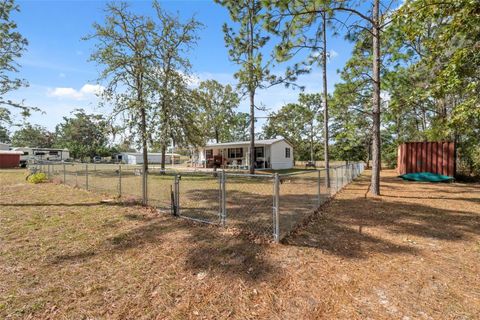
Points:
(299, 123)
(84, 135)
(33, 136)
(218, 104)
(12, 46)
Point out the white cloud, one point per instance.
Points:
(86, 91)
(91, 89)
(332, 54)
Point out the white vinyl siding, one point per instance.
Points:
(278, 155)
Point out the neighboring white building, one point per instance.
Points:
(153, 158)
(4, 146)
(269, 154)
(39, 154)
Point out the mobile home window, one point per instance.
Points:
(259, 152)
(235, 153)
(209, 153)
(287, 152)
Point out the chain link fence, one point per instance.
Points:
(269, 205)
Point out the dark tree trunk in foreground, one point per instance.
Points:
(252, 132)
(163, 150)
(143, 130)
(376, 152)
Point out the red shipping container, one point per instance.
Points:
(435, 157)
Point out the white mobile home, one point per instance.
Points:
(42, 154)
(269, 154)
(153, 158)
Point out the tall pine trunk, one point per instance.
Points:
(325, 101)
(143, 132)
(251, 90)
(163, 157)
(376, 152)
(252, 132)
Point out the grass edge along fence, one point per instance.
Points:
(269, 205)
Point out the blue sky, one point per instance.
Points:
(62, 79)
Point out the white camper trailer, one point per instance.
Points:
(42, 154)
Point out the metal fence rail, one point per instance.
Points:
(269, 205)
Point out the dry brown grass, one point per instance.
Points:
(412, 253)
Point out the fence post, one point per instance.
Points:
(144, 187)
(119, 180)
(64, 175)
(276, 199)
(176, 195)
(223, 203)
(336, 179)
(319, 200)
(220, 195)
(86, 176)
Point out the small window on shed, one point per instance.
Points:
(287, 152)
(25, 153)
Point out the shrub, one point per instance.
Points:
(38, 177)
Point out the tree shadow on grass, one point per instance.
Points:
(475, 200)
(232, 256)
(346, 230)
(201, 248)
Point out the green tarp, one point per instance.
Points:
(426, 177)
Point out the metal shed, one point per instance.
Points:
(435, 157)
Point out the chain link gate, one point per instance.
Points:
(199, 196)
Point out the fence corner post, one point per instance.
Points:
(145, 186)
(276, 197)
(86, 176)
(223, 199)
(176, 195)
(336, 180)
(119, 180)
(319, 197)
